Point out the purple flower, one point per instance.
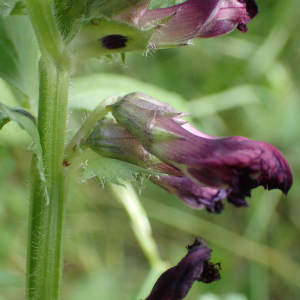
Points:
(235, 163)
(175, 283)
(192, 19)
(112, 140)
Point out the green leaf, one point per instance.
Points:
(114, 170)
(19, 54)
(88, 91)
(5, 118)
(25, 121)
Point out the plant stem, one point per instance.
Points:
(47, 215)
(45, 27)
(47, 210)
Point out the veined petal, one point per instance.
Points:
(189, 17)
(192, 194)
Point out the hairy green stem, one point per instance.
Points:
(47, 214)
(47, 209)
(46, 30)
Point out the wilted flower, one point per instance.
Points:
(235, 163)
(175, 283)
(104, 27)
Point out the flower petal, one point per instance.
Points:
(199, 19)
(192, 194)
(189, 17)
(175, 283)
(231, 14)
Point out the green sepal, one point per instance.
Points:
(160, 135)
(88, 42)
(123, 57)
(113, 170)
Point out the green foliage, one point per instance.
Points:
(27, 123)
(19, 55)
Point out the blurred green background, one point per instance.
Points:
(233, 85)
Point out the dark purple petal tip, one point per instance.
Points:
(252, 8)
(252, 11)
(175, 283)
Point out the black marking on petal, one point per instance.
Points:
(114, 41)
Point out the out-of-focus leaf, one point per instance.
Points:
(7, 163)
(110, 8)
(113, 170)
(164, 3)
(19, 54)
(88, 91)
(25, 121)
(237, 96)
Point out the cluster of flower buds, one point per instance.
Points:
(198, 168)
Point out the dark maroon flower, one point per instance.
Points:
(175, 283)
(235, 163)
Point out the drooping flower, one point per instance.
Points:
(175, 283)
(111, 140)
(235, 163)
(123, 26)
